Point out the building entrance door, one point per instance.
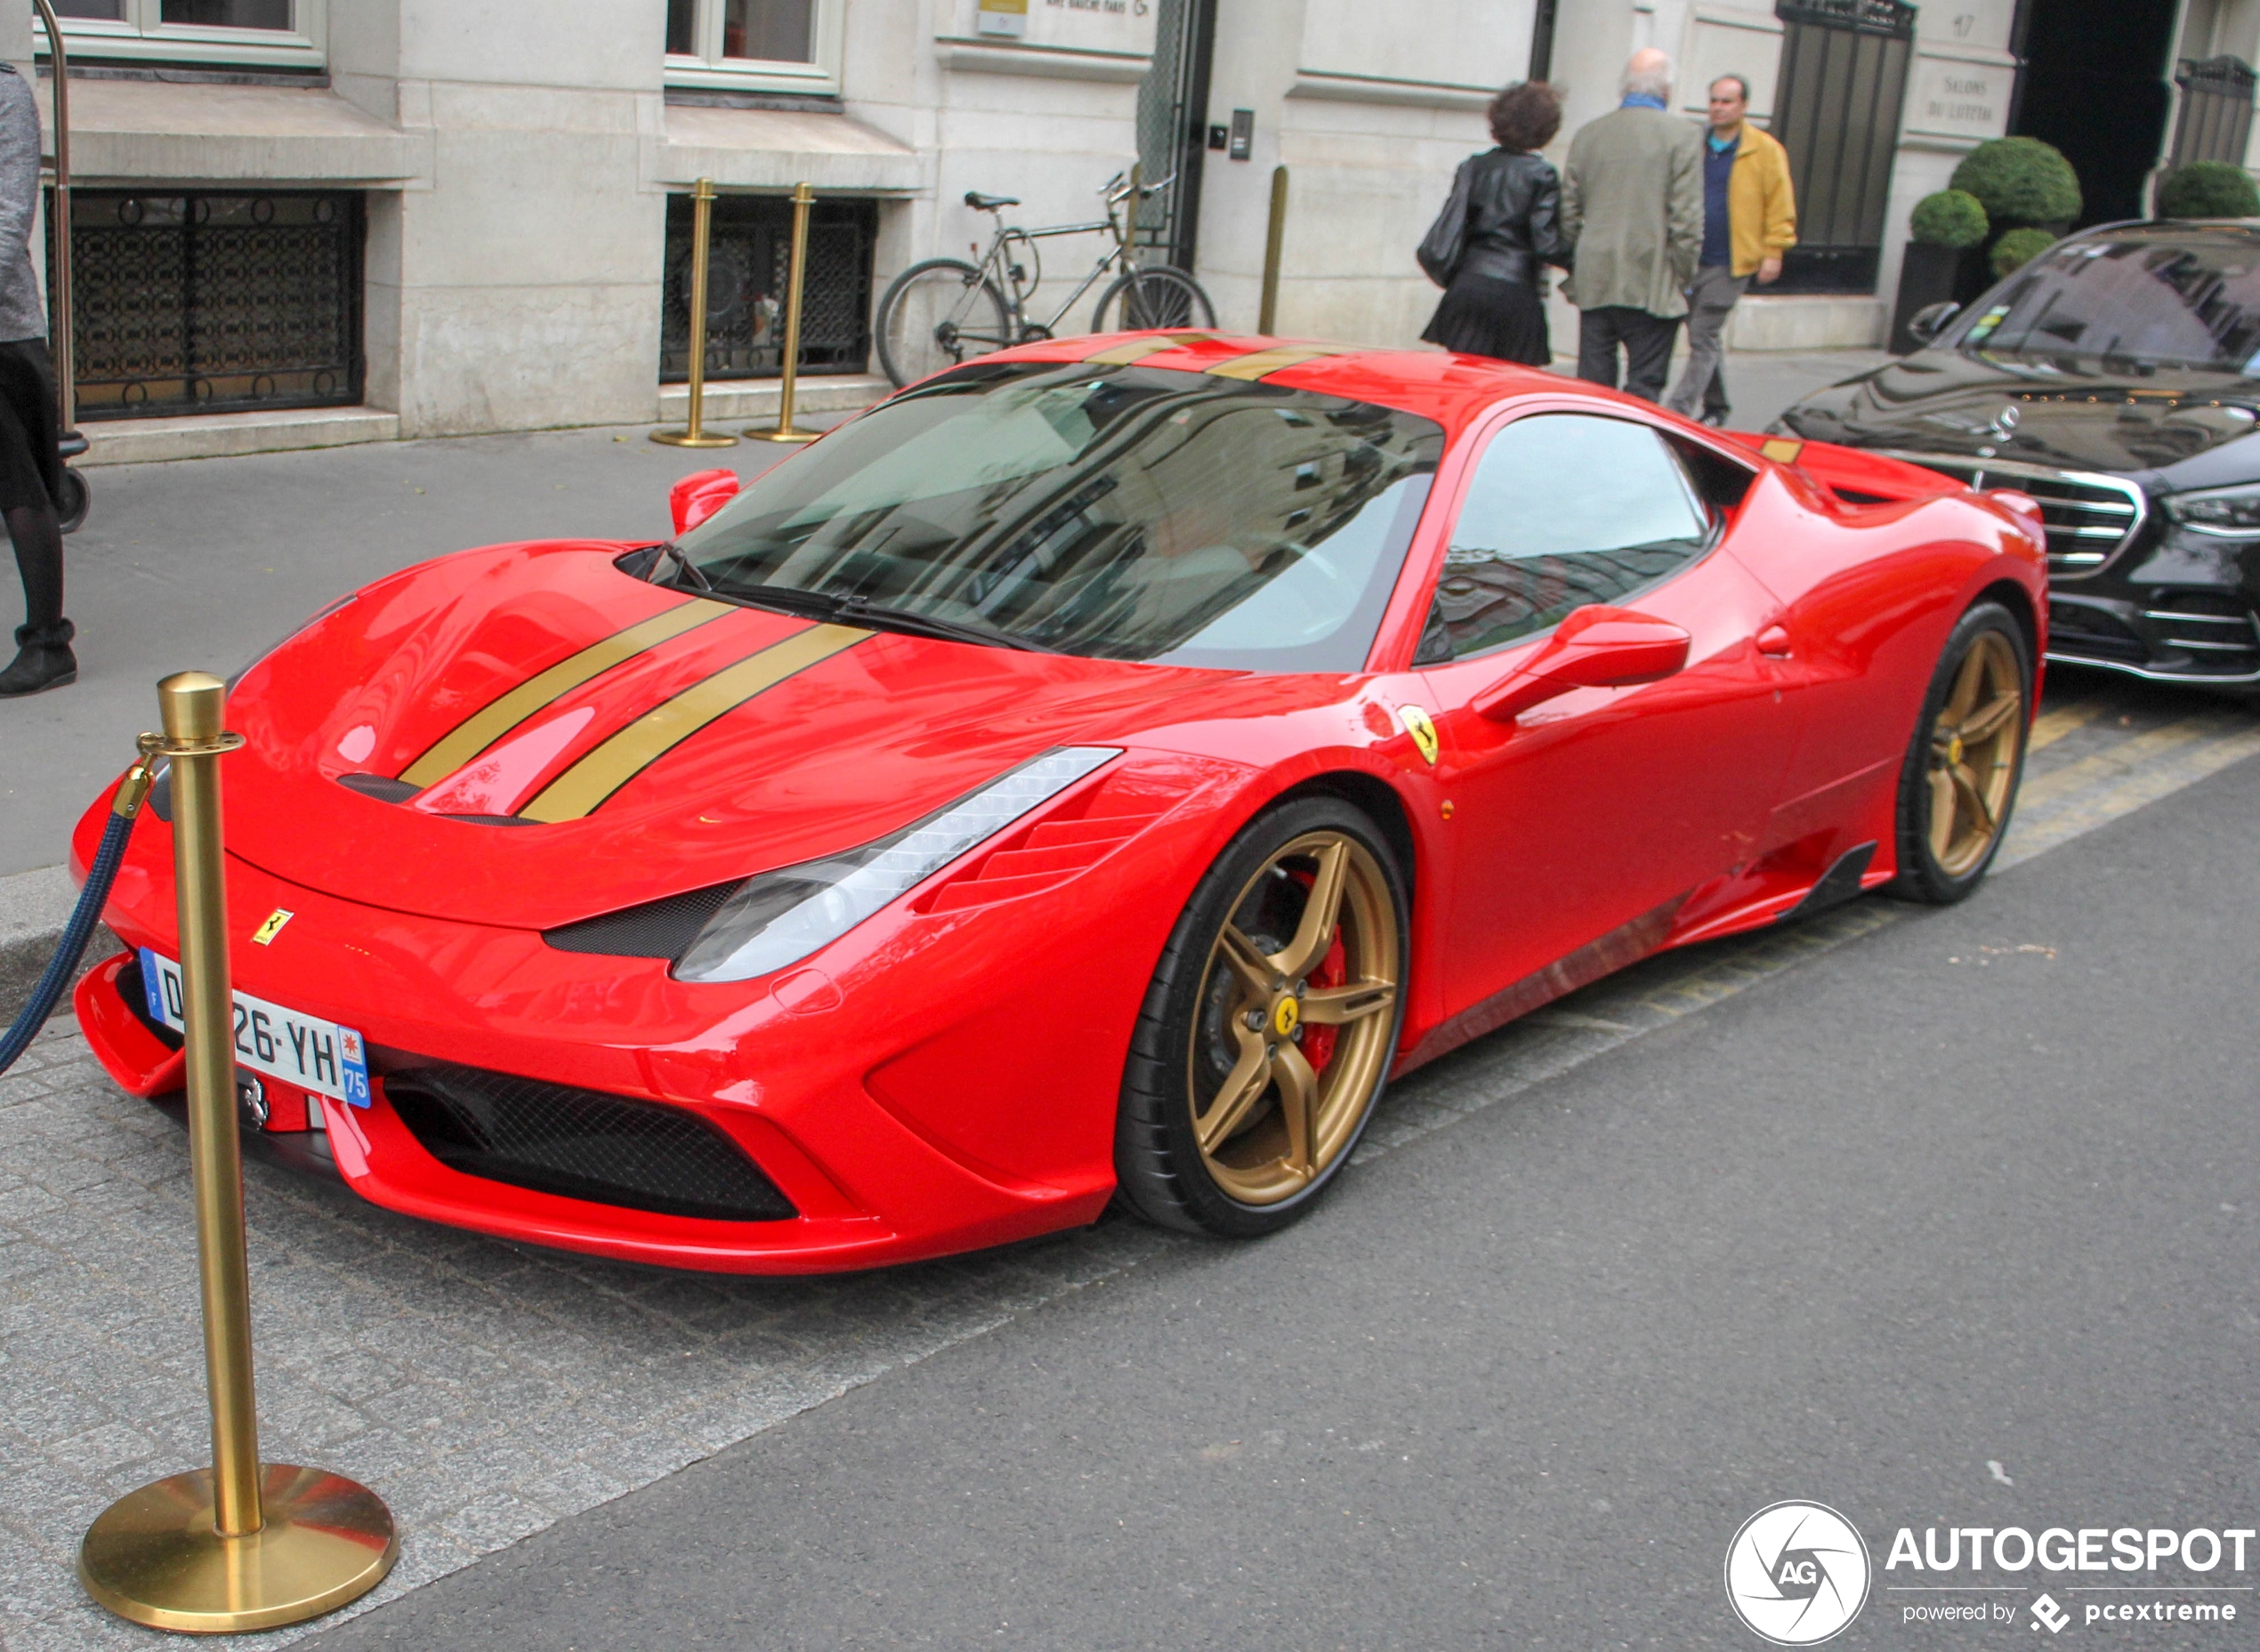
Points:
(1173, 120)
(2094, 85)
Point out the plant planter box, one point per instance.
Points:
(1930, 275)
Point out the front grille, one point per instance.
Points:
(582, 1144)
(2219, 630)
(2089, 516)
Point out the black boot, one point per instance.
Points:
(44, 660)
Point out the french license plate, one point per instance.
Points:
(320, 1056)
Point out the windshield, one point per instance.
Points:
(2129, 302)
(1124, 513)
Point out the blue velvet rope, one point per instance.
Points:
(63, 967)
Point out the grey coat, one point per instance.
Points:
(1631, 206)
(23, 309)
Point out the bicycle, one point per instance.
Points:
(943, 310)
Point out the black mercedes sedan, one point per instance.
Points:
(2116, 379)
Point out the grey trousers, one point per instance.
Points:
(1702, 382)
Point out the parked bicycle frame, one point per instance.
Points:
(944, 310)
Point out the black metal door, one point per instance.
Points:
(1173, 117)
(1836, 108)
(748, 263)
(215, 302)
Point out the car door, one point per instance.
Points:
(1595, 813)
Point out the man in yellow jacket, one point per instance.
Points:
(1749, 220)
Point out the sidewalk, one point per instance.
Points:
(206, 563)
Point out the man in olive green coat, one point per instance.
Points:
(1632, 205)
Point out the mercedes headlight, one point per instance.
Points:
(2232, 511)
(781, 917)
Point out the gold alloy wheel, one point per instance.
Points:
(1973, 754)
(1296, 1016)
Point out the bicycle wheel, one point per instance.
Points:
(935, 315)
(1160, 296)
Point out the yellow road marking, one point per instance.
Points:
(2050, 727)
(658, 731)
(482, 728)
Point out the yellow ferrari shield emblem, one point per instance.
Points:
(1285, 1018)
(267, 931)
(1423, 732)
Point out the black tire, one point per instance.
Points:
(1989, 635)
(1192, 1024)
(1161, 296)
(73, 500)
(935, 315)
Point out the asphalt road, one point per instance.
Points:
(1950, 1225)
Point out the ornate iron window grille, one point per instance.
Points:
(188, 302)
(2216, 110)
(749, 260)
(1836, 105)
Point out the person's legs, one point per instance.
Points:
(1648, 353)
(43, 659)
(1709, 302)
(1597, 333)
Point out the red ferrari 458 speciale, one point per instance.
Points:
(1089, 774)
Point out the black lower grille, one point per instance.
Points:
(582, 1144)
(2216, 631)
(2093, 634)
(136, 995)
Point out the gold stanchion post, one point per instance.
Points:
(241, 1545)
(1267, 317)
(696, 435)
(804, 197)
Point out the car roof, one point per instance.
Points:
(1434, 383)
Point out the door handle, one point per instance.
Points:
(1774, 641)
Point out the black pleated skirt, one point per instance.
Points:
(1484, 316)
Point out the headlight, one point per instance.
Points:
(2229, 511)
(781, 917)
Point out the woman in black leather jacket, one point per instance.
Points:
(1503, 221)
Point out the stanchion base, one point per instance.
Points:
(153, 1557)
(684, 439)
(771, 432)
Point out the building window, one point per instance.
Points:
(187, 302)
(775, 46)
(748, 263)
(286, 33)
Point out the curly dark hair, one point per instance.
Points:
(1526, 115)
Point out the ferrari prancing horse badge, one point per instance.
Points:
(1423, 732)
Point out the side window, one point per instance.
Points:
(1564, 509)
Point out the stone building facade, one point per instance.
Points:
(312, 221)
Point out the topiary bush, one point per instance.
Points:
(2209, 189)
(1950, 218)
(2018, 248)
(2021, 180)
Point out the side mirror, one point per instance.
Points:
(1927, 324)
(1596, 648)
(699, 495)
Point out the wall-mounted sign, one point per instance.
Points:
(1243, 135)
(1002, 17)
(1960, 96)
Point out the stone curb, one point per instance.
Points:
(34, 908)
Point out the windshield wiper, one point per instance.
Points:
(855, 611)
(689, 569)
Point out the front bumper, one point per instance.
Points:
(952, 1090)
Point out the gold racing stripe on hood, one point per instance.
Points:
(1257, 363)
(537, 693)
(1139, 348)
(611, 765)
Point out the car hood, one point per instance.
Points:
(525, 736)
(1944, 402)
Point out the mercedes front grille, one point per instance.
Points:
(2089, 516)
